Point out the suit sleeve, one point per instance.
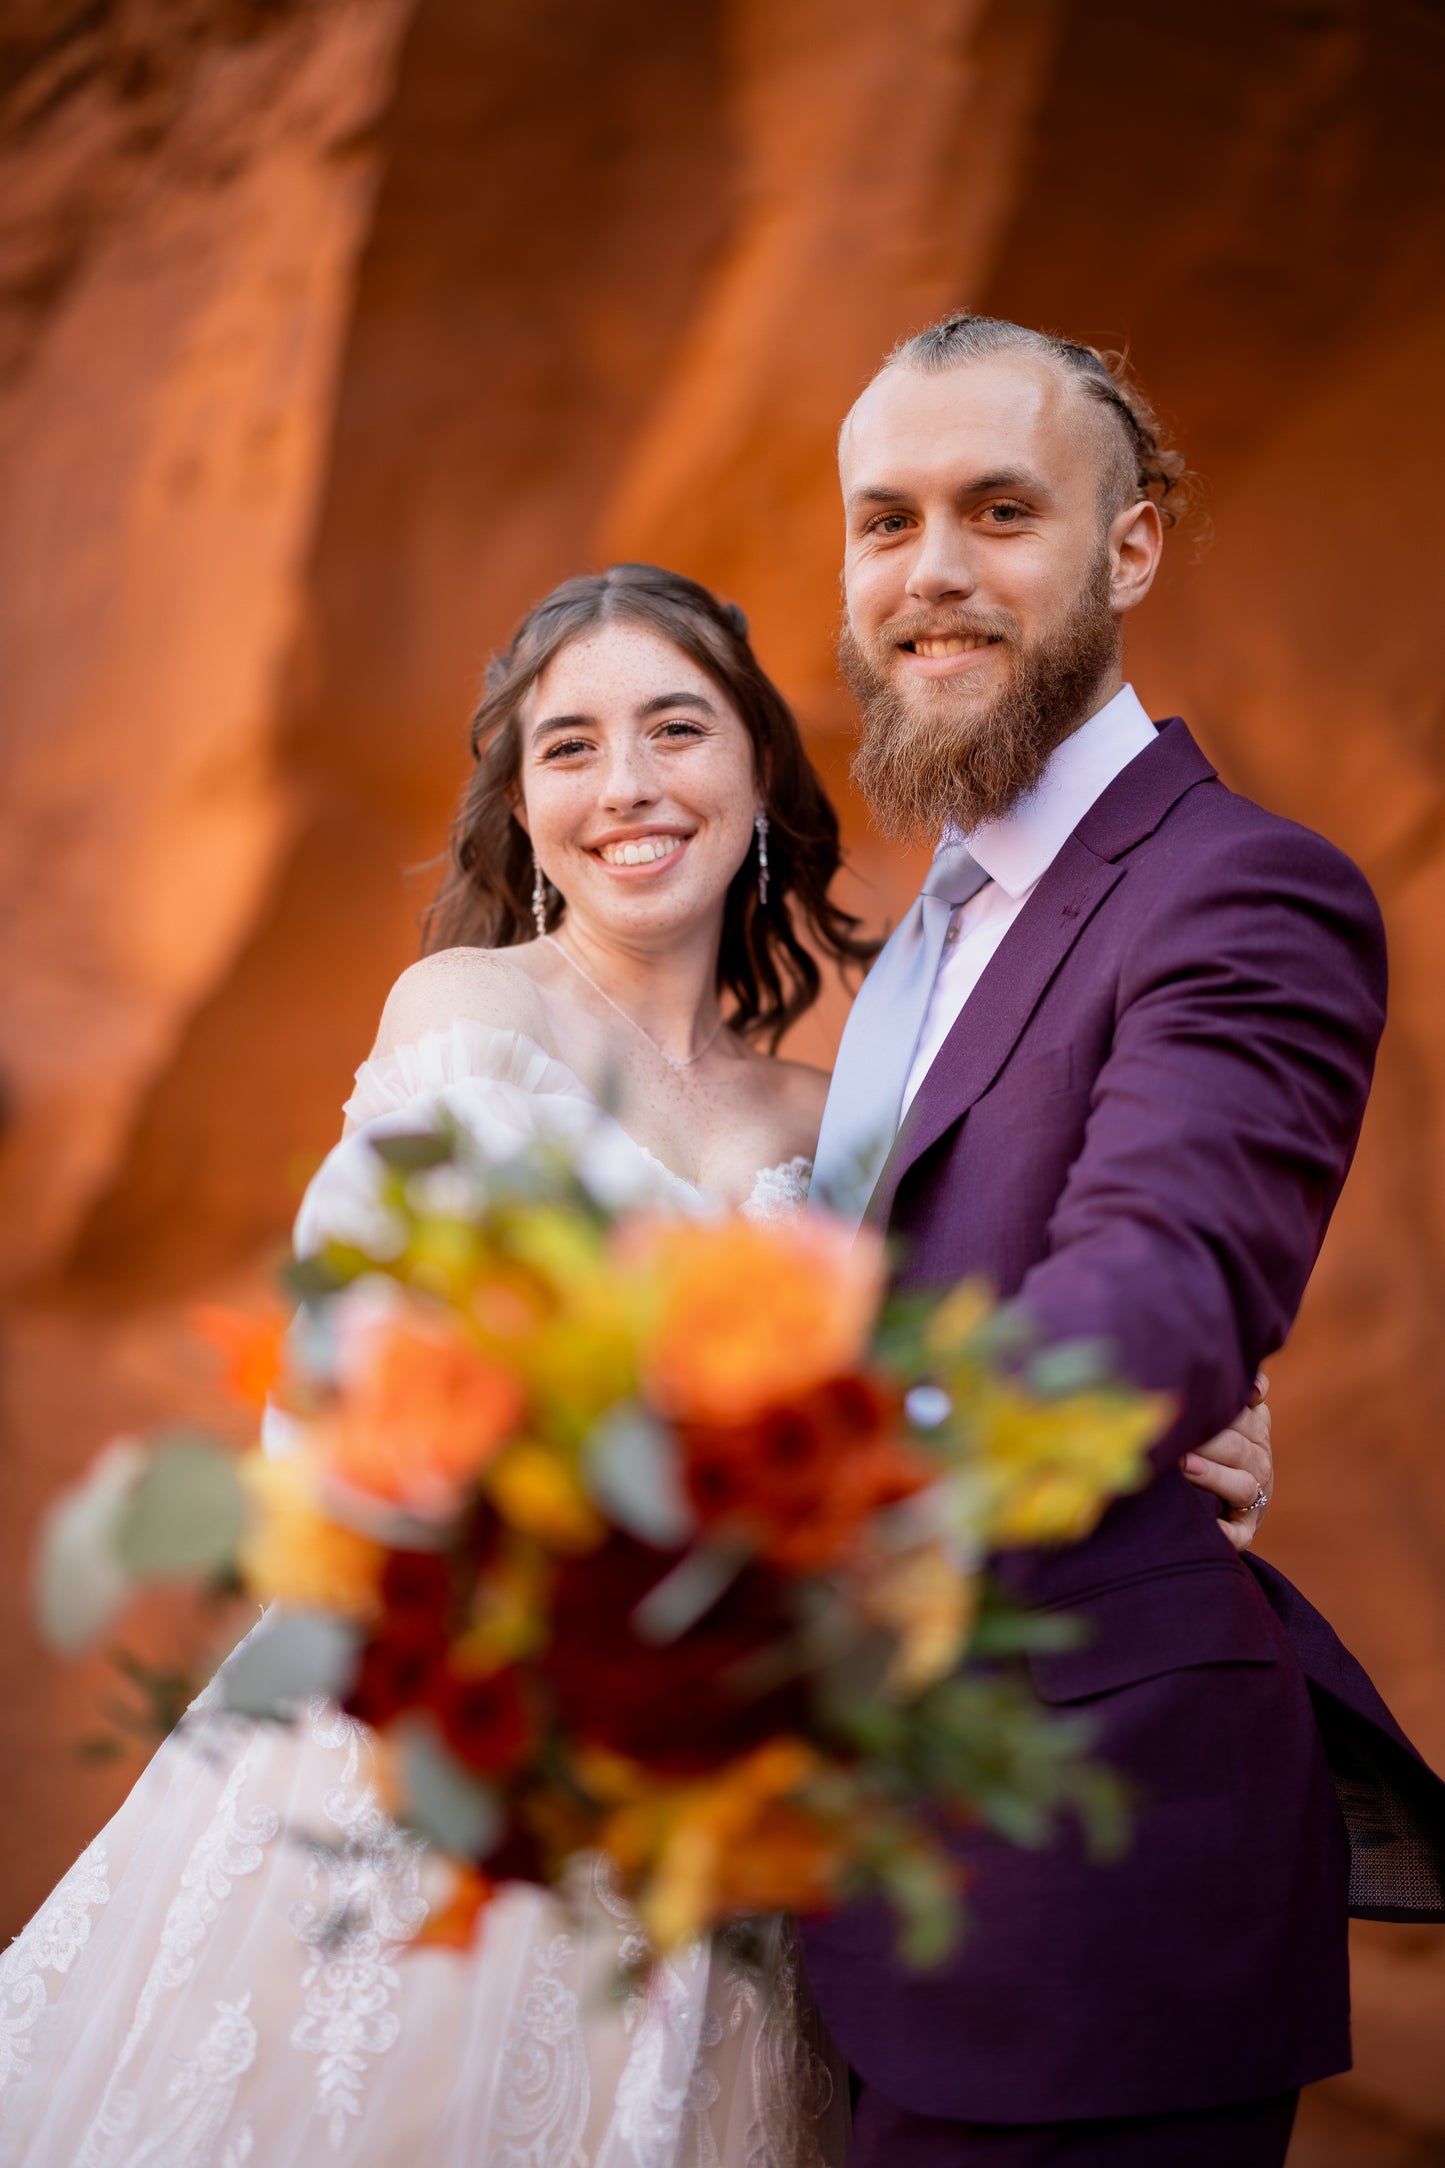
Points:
(1222, 1124)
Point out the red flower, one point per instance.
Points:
(417, 1596)
(517, 1856)
(392, 1677)
(801, 1478)
(400, 1661)
(679, 1706)
(486, 1720)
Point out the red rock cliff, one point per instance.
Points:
(332, 331)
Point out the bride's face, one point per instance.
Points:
(638, 788)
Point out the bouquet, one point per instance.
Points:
(652, 1536)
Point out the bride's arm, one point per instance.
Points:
(1238, 1467)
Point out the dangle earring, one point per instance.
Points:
(760, 826)
(539, 899)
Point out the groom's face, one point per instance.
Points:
(982, 581)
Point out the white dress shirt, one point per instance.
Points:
(1017, 851)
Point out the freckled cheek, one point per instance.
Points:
(722, 792)
(559, 810)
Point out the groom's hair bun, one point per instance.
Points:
(1149, 463)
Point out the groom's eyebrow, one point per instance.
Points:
(979, 485)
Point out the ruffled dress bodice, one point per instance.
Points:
(509, 1095)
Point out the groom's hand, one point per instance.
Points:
(1238, 1467)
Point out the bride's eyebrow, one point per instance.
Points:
(550, 725)
(661, 701)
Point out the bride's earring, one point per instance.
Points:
(760, 828)
(539, 900)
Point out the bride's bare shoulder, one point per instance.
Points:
(486, 986)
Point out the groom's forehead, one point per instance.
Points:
(1002, 414)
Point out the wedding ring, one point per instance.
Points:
(1256, 1504)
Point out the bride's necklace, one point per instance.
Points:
(641, 1029)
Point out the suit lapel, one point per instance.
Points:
(1037, 944)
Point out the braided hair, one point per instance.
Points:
(1149, 465)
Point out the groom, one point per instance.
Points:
(1121, 1047)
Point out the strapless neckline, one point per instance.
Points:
(465, 1049)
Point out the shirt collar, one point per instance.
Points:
(1016, 850)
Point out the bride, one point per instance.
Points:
(637, 890)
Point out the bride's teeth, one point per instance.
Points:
(645, 853)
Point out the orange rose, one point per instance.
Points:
(419, 1415)
(750, 1315)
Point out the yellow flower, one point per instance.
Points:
(923, 1599)
(1053, 1466)
(748, 1315)
(698, 1853)
(537, 1493)
(291, 1553)
(960, 1314)
(508, 1620)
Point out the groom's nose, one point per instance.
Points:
(939, 570)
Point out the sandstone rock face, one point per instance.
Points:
(283, 455)
(183, 194)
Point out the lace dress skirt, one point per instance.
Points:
(226, 1977)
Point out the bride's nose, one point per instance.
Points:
(629, 779)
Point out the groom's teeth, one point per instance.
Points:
(936, 649)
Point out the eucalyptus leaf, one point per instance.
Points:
(81, 1581)
(921, 1889)
(312, 1279)
(185, 1513)
(689, 1592)
(445, 1802)
(1001, 1631)
(1074, 1366)
(630, 1467)
(289, 1657)
(411, 1151)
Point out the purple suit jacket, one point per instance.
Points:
(1139, 1127)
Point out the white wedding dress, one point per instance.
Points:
(208, 1989)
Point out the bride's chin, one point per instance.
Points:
(652, 914)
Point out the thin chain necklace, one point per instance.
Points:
(641, 1029)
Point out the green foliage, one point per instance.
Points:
(185, 1514)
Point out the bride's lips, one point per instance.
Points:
(666, 846)
(949, 655)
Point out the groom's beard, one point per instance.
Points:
(931, 752)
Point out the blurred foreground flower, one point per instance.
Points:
(656, 1537)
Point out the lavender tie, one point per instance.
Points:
(880, 1039)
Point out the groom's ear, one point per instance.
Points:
(1136, 543)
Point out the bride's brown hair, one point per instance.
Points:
(764, 966)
